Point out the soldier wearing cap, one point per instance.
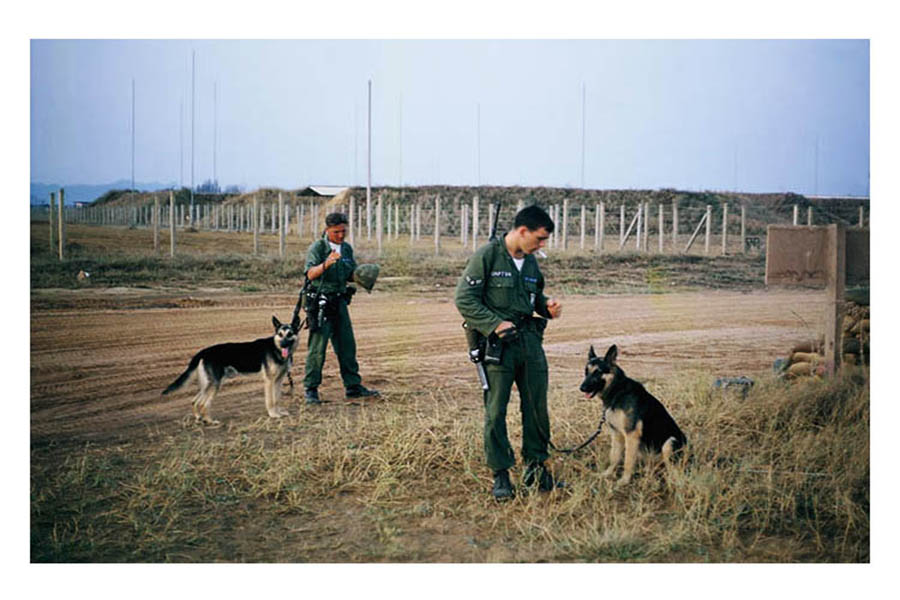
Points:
(498, 294)
(329, 265)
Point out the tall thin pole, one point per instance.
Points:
(181, 143)
(193, 53)
(369, 180)
(583, 106)
(132, 141)
(215, 107)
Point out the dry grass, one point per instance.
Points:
(781, 476)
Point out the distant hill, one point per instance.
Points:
(40, 192)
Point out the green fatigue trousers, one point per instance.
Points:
(340, 331)
(524, 363)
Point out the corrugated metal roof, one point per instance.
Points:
(327, 190)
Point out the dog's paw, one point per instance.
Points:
(212, 422)
(623, 481)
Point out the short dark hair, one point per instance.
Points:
(336, 218)
(533, 217)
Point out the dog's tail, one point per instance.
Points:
(182, 379)
(673, 447)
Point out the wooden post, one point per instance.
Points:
(171, 224)
(396, 221)
(796, 215)
(835, 268)
(646, 245)
(352, 219)
(861, 217)
(565, 224)
(662, 228)
(724, 229)
(437, 225)
(418, 221)
(62, 224)
(378, 223)
(155, 223)
(50, 218)
(621, 225)
(708, 219)
(640, 227)
(475, 223)
(624, 237)
(809, 216)
(601, 226)
(744, 228)
(281, 216)
(490, 214)
(255, 220)
(299, 210)
(582, 226)
(704, 219)
(274, 220)
(464, 224)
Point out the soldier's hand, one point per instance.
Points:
(332, 258)
(554, 307)
(502, 327)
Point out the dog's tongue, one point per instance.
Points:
(284, 353)
(588, 395)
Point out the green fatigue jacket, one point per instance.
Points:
(492, 290)
(335, 278)
(338, 328)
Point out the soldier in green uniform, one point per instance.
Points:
(499, 293)
(329, 265)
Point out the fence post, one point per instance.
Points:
(662, 229)
(646, 245)
(171, 224)
(396, 221)
(62, 223)
(861, 217)
(835, 269)
(724, 229)
(708, 219)
(281, 216)
(640, 227)
(437, 225)
(464, 224)
(621, 224)
(379, 221)
(565, 224)
(255, 219)
(53, 233)
(809, 215)
(796, 215)
(743, 228)
(475, 223)
(156, 223)
(582, 226)
(601, 226)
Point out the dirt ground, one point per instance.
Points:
(100, 381)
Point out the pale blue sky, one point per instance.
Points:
(719, 115)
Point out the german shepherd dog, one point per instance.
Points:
(636, 420)
(272, 357)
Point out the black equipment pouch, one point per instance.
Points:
(348, 294)
(493, 350)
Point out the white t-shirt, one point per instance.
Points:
(337, 247)
(519, 262)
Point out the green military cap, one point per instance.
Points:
(365, 275)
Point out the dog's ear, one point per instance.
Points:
(591, 354)
(276, 322)
(611, 355)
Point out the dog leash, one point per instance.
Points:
(583, 444)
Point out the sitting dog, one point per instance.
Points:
(272, 357)
(636, 420)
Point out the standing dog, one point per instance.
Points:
(636, 419)
(272, 357)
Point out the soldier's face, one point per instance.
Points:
(533, 240)
(336, 233)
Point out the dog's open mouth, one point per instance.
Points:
(284, 353)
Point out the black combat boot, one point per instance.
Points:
(503, 489)
(537, 472)
(312, 396)
(360, 391)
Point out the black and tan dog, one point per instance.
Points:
(635, 419)
(271, 357)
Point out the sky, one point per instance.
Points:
(737, 115)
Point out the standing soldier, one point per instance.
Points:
(329, 265)
(498, 294)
